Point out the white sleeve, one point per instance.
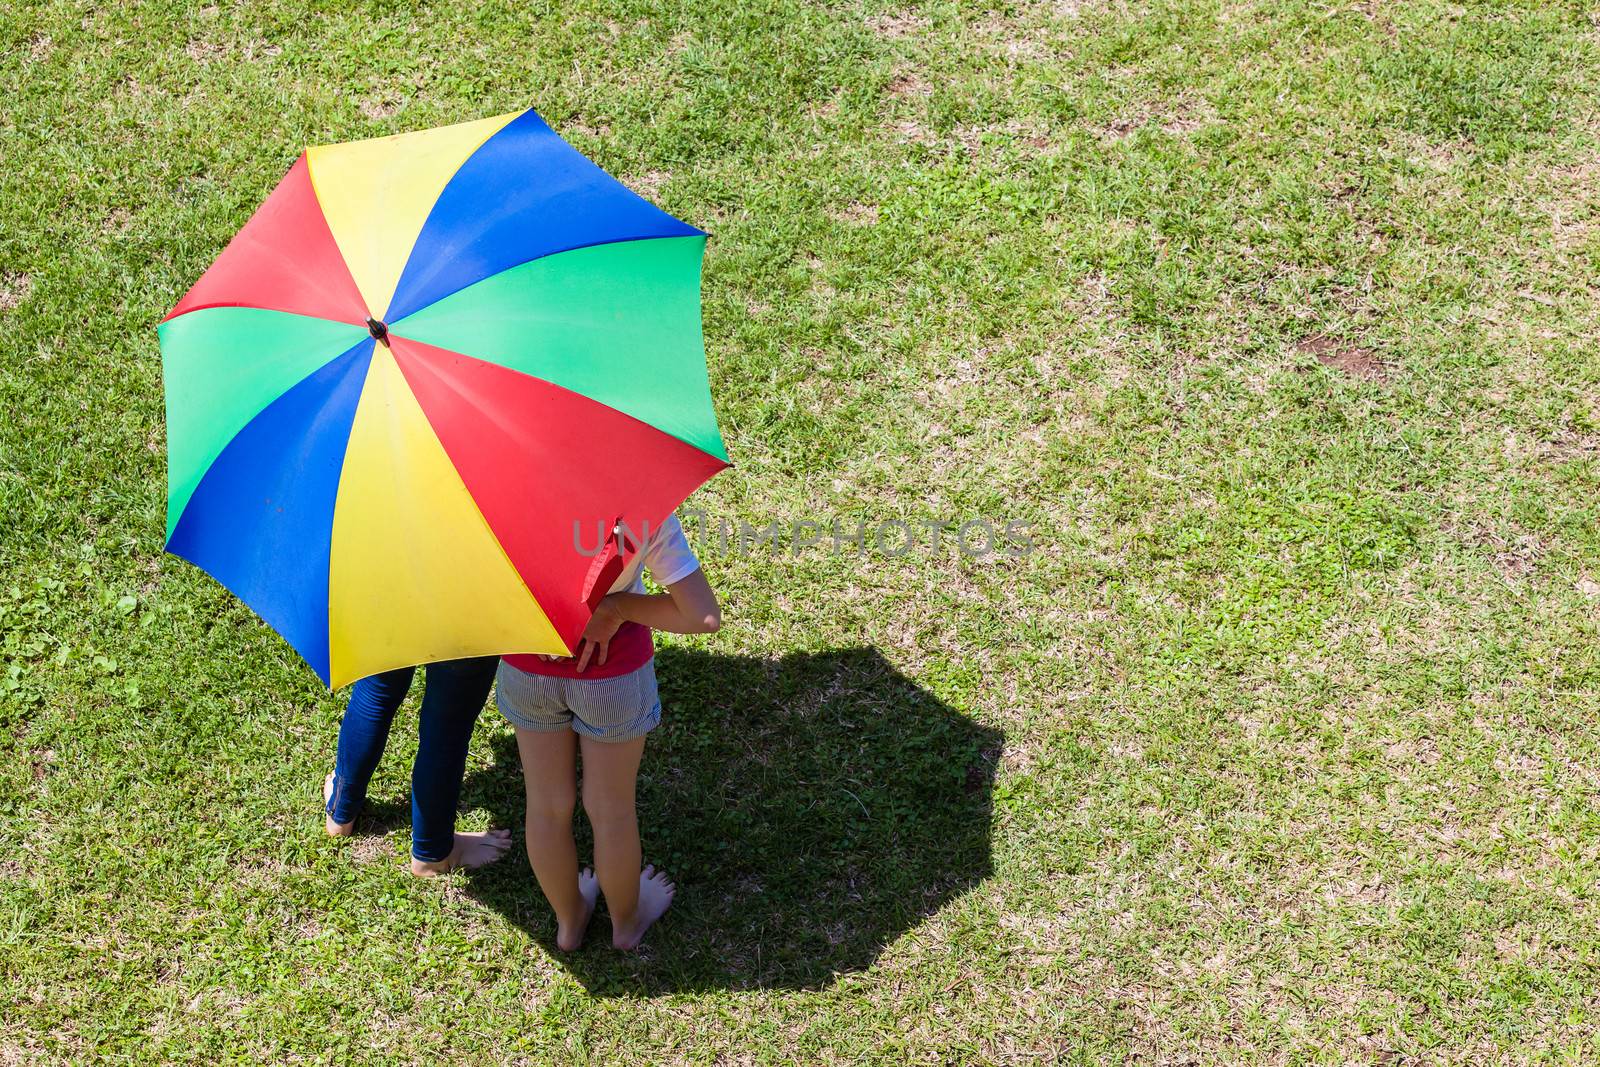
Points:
(667, 555)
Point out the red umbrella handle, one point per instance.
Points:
(606, 566)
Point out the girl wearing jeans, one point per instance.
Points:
(455, 693)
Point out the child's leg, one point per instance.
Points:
(635, 899)
(451, 703)
(363, 732)
(549, 773)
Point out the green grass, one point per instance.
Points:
(1283, 747)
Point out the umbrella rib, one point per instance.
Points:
(260, 307)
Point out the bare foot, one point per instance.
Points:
(473, 848)
(655, 896)
(335, 829)
(569, 938)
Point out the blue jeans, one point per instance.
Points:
(455, 692)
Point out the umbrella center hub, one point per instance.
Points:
(378, 330)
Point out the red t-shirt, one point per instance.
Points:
(631, 647)
(668, 558)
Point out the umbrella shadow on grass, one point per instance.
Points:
(380, 818)
(811, 810)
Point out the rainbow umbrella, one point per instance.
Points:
(413, 395)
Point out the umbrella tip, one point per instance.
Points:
(378, 330)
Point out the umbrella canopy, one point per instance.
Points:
(409, 391)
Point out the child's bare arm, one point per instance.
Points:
(688, 606)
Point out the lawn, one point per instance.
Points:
(1275, 322)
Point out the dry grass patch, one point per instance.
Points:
(1351, 359)
(858, 214)
(370, 848)
(1175, 118)
(204, 52)
(14, 289)
(894, 26)
(1032, 138)
(379, 108)
(908, 84)
(649, 184)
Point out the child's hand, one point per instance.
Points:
(603, 626)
